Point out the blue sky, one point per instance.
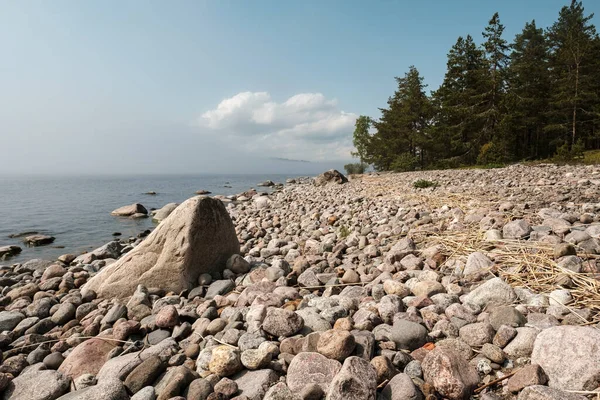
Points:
(143, 86)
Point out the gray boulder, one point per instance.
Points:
(570, 357)
(311, 368)
(198, 237)
(493, 292)
(401, 387)
(408, 335)
(109, 250)
(9, 251)
(477, 262)
(539, 392)
(522, 344)
(517, 229)
(164, 212)
(331, 176)
(254, 384)
(35, 383)
(112, 389)
(127, 211)
(9, 320)
(357, 380)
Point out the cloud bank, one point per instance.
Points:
(306, 126)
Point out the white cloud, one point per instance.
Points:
(305, 126)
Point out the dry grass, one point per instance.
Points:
(524, 264)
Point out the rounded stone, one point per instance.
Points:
(255, 358)
(225, 361)
(280, 322)
(167, 317)
(408, 335)
(336, 344)
(53, 360)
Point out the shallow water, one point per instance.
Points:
(76, 210)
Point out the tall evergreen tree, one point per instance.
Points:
(572, 42)
(460, 119)
(527, 98)
(401, 132)
(541, 100)
(493, 87)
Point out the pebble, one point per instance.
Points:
(225, 361)
(449, 373)
(167, 317)
(336, 344)
(408, 335)
(280, 322)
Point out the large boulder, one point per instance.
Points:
(38, 240)
(109, 250)
(253, 385)
(10, 319)
(331, 176)
(9, 251)
(357, 380)
(492, 292)
(449, 373)
(570, 356)
(311, 368)
(164, 212)
(87, 358)
(198, 237)
(36, 383)
(107, 390)
(539, 392)
(127, 211)
(401, 387)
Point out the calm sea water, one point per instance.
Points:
(76, 210)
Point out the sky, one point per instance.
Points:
(220, 86)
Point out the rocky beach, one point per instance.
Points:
(455, 284)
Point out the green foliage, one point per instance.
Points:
(534, 98)
(423, 184)
(565, 153)
(355, 168)
(344, 232)
(574, 73)
(528, 100)
(493, 166)
(460, 115)
(362, 140)
(492, 153)
(493, 86)
(591, 157)
(404, 162)
(401, 131)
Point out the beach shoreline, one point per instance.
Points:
(486, 272)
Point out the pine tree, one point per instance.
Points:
(401, 139)
(540, 100)
(527, 98)
(572, 43)
(493, 86)
(460, 119)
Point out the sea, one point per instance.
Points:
(76, 209)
